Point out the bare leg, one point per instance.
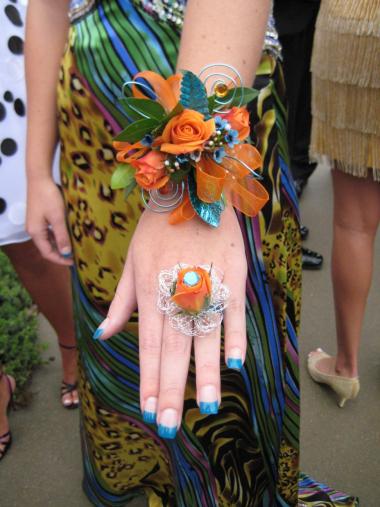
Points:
(4, 400)
(49, 287)
(356, 219)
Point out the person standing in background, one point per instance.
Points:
(47, 283)
(295, 23)
(346, 129)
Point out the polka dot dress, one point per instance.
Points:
(12, 122)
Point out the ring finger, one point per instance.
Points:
(175, 359)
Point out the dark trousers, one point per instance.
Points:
(296, 49)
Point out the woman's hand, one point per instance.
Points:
(45, 220)
(165, 352)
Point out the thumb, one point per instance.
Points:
(61, 235)
(122, 306)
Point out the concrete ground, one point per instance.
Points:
(339, 446)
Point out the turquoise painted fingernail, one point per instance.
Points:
(234, 359)
(149, 417)
(66, 253)
(166, 432)
(150, 409)
(208, 403)
(168, 423)
(235, 364)
(208, 407)
(98, 333)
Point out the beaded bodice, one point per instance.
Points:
(172, 12)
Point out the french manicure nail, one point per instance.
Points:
(208, 400)
(98, 333)
(168, 423)
(150, 410)
(234, 360)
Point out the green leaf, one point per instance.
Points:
(211, 103)
(174, 112)
(123, 176)
(160, 127)
(143, 108)
(130, 188)
(137, 130)
(193, 94)
(236, 97)
(180, 175)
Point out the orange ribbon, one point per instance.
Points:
(243, 191)
(167, 90)
(233, 178)
(183, 212)
(124, 150)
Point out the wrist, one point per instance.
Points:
(39, 175)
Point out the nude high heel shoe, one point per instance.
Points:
(346, 388)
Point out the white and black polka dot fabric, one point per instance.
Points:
(12, 122)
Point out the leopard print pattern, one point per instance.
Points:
(87, 163)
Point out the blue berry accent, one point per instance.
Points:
(219, 154)
(166, 432)
(149, 417)
(207, 407)
(191, 278)
(235, 364)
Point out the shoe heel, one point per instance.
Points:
(342, 402)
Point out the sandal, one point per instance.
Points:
(6, 439)
(66, 387)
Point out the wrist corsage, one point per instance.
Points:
(189, 152)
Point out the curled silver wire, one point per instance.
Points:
(253, 172)
(137, 83)
(162, 203)
(222, 77)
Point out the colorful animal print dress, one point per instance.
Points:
(247, 455)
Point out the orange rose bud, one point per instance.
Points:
(192, 290)
(186, 132)
(238, 118)
(150, 170)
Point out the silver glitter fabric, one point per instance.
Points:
(206, 320)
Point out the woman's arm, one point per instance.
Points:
(46, 34)
(214, 32)
(224, 32)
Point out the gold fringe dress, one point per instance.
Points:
(346, 86)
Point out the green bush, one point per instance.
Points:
(19, 351)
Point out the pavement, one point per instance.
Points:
(340, 447)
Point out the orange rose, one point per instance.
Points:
(238, 118)
(186, 132)
(150, 170)
(192, 290)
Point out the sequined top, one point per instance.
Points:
(172, 12)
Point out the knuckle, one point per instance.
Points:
(236, 305)
(209, 369)
(174, 343)
(171, 392)
(150, 344)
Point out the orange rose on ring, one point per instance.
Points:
(185, 133)
(192, 290)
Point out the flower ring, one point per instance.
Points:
(193, 297)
